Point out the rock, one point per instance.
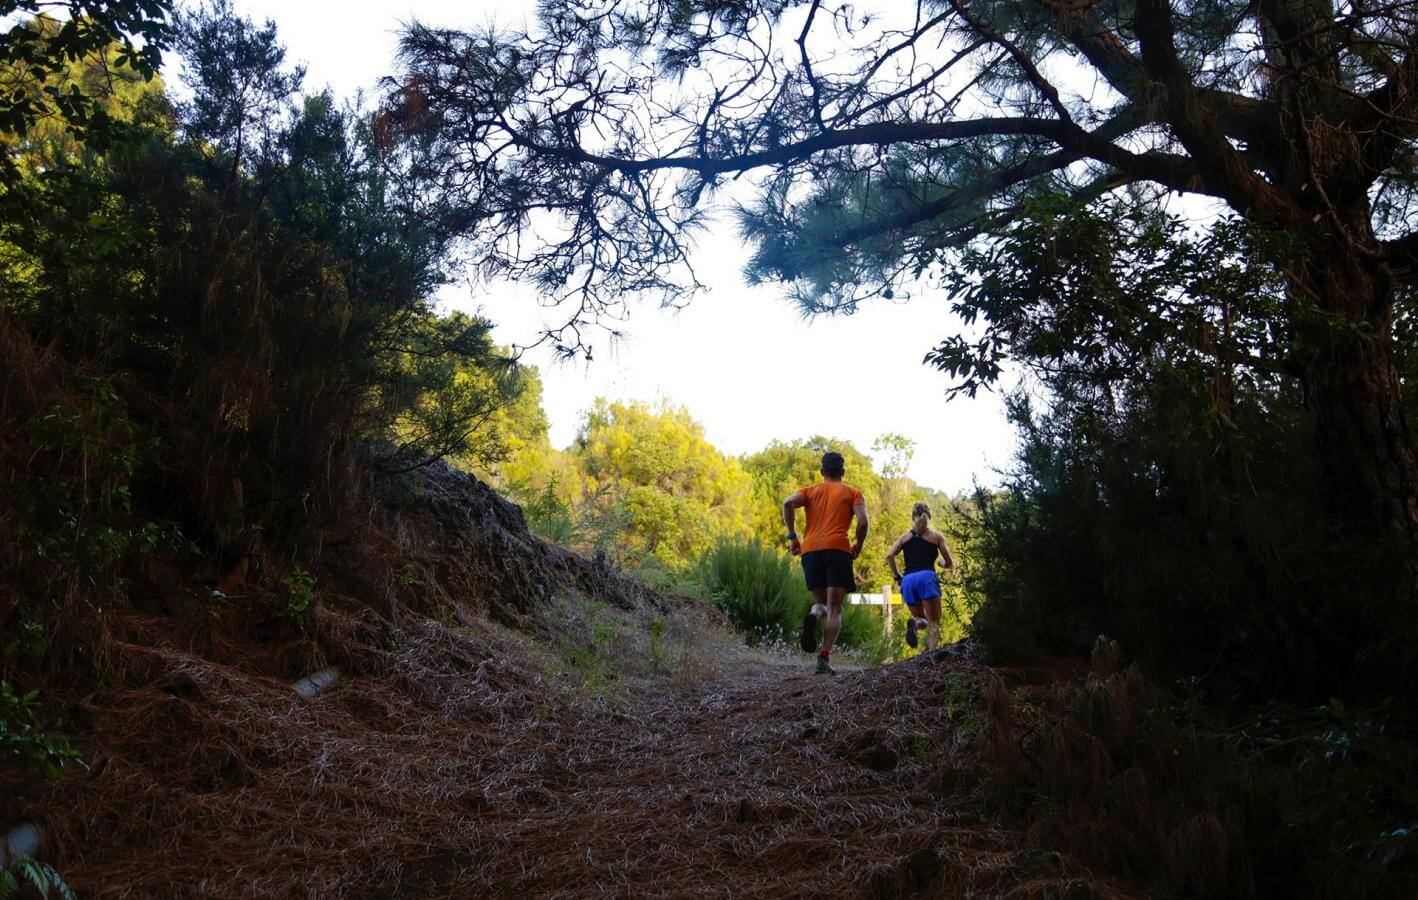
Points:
(313, 685)
(21, 840)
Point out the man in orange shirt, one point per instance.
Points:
(827, 556)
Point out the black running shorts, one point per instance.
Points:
(829, 568)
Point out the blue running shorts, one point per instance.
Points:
(918, 586)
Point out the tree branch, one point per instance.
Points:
(880, 134)
(1241, 117)
(1220, 166)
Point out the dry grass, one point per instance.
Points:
(466, 761)
(513, 719)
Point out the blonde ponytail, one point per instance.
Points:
(920, 518)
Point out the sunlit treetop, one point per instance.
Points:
(109, 42)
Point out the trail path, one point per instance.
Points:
(769, 782)
(461, 766)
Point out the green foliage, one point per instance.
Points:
(758, 588)
(451, 393)
(39, 55)
(675, 491)
(1366, 759)
(23, 739)
(40, 877)
(525, 463)
(1107, 287)
(1166, 491)
(642, 487)
(26, 639)
(550, 516)
(298, 596)
(81, 528)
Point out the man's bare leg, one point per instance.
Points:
(835, 596)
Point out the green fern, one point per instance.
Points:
(41, 875)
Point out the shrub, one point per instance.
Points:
(758, 588)
(762, 593)
(23, 739)
(861, 630)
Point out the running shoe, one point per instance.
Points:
(824, 667)
(911, 632)
(809, 638)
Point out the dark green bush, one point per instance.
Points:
(759, 588)
(1166, 491)
(762, 592)
(23, 738)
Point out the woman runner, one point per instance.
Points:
(920, 587)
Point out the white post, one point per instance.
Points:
(886, 608)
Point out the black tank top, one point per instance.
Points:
(920, 554)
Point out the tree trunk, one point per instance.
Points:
(1343, 337)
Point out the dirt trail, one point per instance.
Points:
(772, 783)
(466, 762)
(767, 782)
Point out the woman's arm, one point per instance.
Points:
(947, 561)
(891, 556)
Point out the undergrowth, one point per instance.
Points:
(25, 873)
(600, 648)
(1127, 778)
(763, 594)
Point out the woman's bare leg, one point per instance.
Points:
(933, 622)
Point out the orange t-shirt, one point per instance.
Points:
(829, 512)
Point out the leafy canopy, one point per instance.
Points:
(875, 139)
(50, 38)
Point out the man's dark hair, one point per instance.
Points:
(832, 464)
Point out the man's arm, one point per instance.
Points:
(790, 506)
(891, 557)
(860, 511)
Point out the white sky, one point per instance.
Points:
(741, 359)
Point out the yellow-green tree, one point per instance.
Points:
(523, 460)
(651, 466)
(782, 468)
